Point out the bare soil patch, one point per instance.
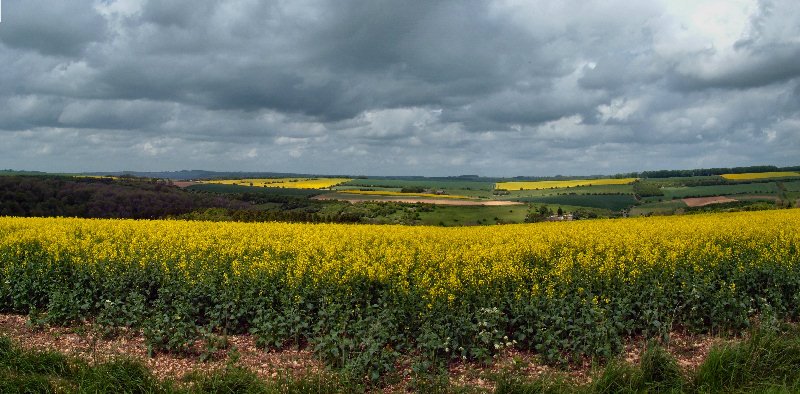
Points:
(703, 201)
(413, 200)
(86, 343)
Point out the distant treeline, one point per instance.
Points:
(707, 171)
(99, 198)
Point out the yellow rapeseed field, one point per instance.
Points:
(760, 175)
(574, 288)
(294, 183)
(536, 185)
(443, 261)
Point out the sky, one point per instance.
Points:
(373, 87)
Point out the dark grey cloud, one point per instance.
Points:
(446, 87)
(62, 28)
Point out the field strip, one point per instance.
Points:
(409, 200)
(540, 185)
(703, 201)
(291, 183)
(760, 175)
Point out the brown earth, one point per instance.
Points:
(85, 342)
(703, 201)
(437, 201)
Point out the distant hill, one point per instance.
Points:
(183, 175)
(10, 172)
(202, 174)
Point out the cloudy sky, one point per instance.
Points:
(399, 87)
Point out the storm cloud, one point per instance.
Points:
(399, 87)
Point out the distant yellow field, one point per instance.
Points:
(759, 175)
(536, 185)
(399, 194)
(294, 183)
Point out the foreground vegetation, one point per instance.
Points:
(362, 296)
(767, 360)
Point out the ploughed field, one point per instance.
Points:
(362, 296)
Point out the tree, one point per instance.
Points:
(543, 210)
(560, 211)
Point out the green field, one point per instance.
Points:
(687, 181)
(793, 186)
(719, 190)
(473, 215)
(756, 197)
(614, 202)
(658, 208)
(349, 187)
(794, 198)
(596, 189)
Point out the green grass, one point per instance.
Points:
(47, 371)
(30, 371)
(720, 190)
(596, 189)
(767, 361)
(753, 198)
(794, 198)
(455, 186)
(793, 186)
(349, 187)
(613, 202)
(686, 181)
(449, 215)
(658, 207)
